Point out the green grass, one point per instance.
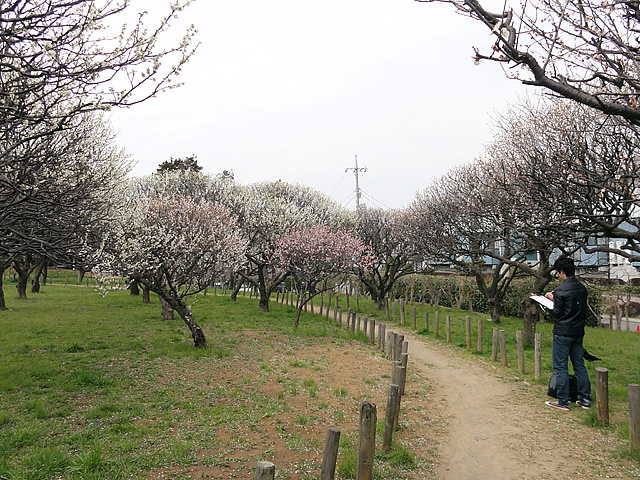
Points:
(91, 386)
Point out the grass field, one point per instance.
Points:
(100, 388)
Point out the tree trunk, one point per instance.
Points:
(234, 292)
(37, 273)
(81, 273)
(167, 311)
(530, 320)
(23, 269)
(265, 292)
(495, 310)
(134, 288)
(3, 305)
(199, 339)
(146, 294)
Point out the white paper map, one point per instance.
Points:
(544, 301)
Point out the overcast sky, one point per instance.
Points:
(294, 90)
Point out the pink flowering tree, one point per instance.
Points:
(315, 253)
(175, 247)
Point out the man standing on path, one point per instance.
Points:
(569, 313)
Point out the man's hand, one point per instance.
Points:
(549, 295)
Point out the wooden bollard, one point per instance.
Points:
(398, 348)
(405, 347)
(330, 456)
(448, 328)
(335, 311)
(390, 415)
(328, 309)
(390, 343)
(426, 321)
(386, 308)
(538, 355)
(353, 322)
(348, 317)
(277, 296)
(402, 318)
(401, 377)
(494, 345)
(415, 325)
(394, 346)
(372, 331)
(467, 326)
(602, 394)
(382, 331)
(404, 360)
(480, 325)
(503, 348)
(520, 351)
(367, 443)
(365, 326)
(358, 324)
(395, 372)
(437, 325)
(633, 391)
(265, 471)
(393, 310)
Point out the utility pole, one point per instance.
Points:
(356, 170)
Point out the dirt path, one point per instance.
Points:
(496, 429)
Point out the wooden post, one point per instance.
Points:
(398, 348)
(494, 345)
(426, 321)
(634, 414)
(330, 454)
(357, 329)
(520, 351)
(448, 328)
(335, 311)
(365, 326)
(367, 443)
(602, 394)
(401, 376)
(415, 326)
(328, 309)
(265, 471)
(538, 355)
(372, 331)
(348, 317)
(321, 303)
(386, 307)
(405, 347)
(393, 310)
(503, 348)
(404, 360)
(277, 296)
(353, 322)
(480, 325)
(467, 326)
(390, 415)
(402, 318)
(437, 326)
(389, 344)
(382, 332)
(394, 345)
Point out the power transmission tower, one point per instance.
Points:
(356, 170)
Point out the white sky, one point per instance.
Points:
(294, 89)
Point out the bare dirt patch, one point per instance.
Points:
(463, 418)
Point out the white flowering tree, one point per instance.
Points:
(175, 247)
(271, 210)
(385, 233)
(61, 62)
(316, 253)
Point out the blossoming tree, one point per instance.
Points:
(315, 253)
(271, 210)
(175, 247)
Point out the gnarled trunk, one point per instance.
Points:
(167, 311)
(146, 294)
(37, 273)
(199, 339)
(23, 268)
(134, 288)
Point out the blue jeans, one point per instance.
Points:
(563, 349)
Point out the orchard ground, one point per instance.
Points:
(101, 388)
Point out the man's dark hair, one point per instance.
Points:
(566, 265)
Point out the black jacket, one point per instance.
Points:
(570, 308)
